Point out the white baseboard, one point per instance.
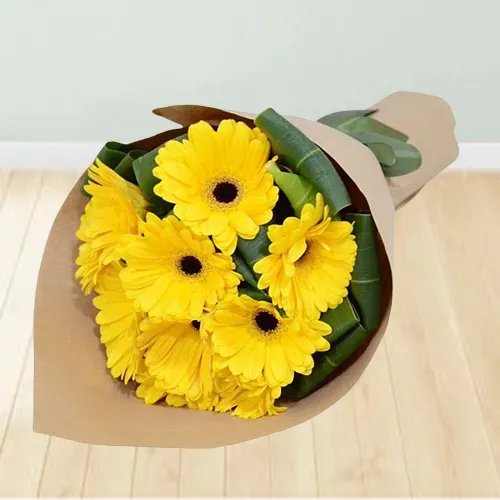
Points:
(48, 154)
(478, 155)
(473, 155)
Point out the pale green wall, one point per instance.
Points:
(93, 69)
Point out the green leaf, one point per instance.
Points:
(111, 154)
(365, 287)
(254, 250)
(125, 168)
(297, 189)
(342, 319)
(303, 157)
(369, 124)
(361, 121)
(253, 293)
(143, 169)
(244, 270)
(396, 157)
(325, 365)
(342, 118)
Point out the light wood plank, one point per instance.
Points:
(17, 210)
(64, 471)
(428, 457)
(293, 468)
(16, 332)
(20, 256)
(23, 453)
(248, 469)
(110, 472)
(28, 231)
(61, 455)
(467, 246)
(460, 408)
(156, 473)
(338, 453)
(485, 191)
(16, 329)
(202, 473)
(384, 462)
(431, 320)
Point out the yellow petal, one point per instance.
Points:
(244, 225)
(297, 251)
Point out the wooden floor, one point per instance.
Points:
(424, 420)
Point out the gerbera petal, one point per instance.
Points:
(297, 250)
(217, 222)
(256, 362)
(202, 136)
(244, 225)
(226, 241)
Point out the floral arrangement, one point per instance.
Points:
(231, 270)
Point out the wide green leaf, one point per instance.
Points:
(303, 157)
(325, 364)
(297, 189)
(390, 146)
(370, 124)
(125, 168)
(143, 169)
(243, 268)
(365, 287)
(396, 157)
(343, 118)
(342, 319)
(254, 250)
(253, 293)
(112, 154)
(361, 121)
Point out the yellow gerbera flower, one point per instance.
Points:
(119, 325)
(173, 272)
(89, 268)
(218, 181)
(115, 209)
(147, 388)
(152, 391)
(252, 339)
(205, 403)
(247, 399)
(102, 176)
(178, 359)
(310, 262)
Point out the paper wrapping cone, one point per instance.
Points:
(77, 399)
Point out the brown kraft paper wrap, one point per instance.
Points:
(74, 395)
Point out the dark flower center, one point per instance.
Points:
(266, 321)
(190, 265)
(225, 192)
(195, 324)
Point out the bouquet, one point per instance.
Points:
(236, 267)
